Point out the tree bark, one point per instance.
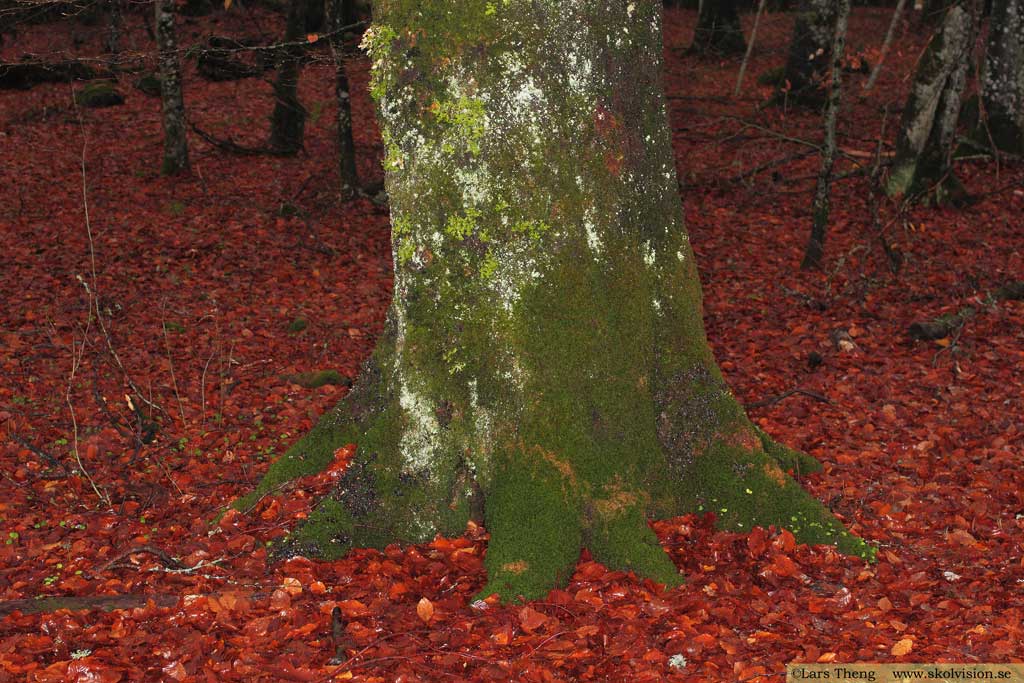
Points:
(115, 24)
(544, 367)
(288, 122)
(924, 144)
(348, 175)
(1002, 82)
(718, 31)
(172, 101)
(809, 54)
(822, 194)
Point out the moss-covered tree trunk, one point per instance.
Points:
(172, 101)
(810, 49)
(1002, 83)
(924, 144)
(718, 31)
(544, 366)
(288, 122)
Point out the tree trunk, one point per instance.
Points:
(822, 193)
(1002, 83)
(348, 175)
(115, 23)
(718, 31)
(288, 122)
(809, 54)
(544, 366)
(173, 103)
(928, 128)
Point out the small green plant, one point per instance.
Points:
(316, 110)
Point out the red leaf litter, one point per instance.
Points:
(199, 282)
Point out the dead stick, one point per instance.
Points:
(772, 401)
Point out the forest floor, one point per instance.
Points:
(151, 330)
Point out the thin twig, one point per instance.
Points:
(76, 357)
(24, 443)
(775, 399)
(168, 561)
(170, 365)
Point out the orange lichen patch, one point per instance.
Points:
(563, 467)
(773, 472)
(517, 567)
(615, 504)
(617, 498)
(743, 438)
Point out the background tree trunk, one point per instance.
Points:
(288, 122)
(809, 54)
(928, 127)
(822, 194)
(718, 29)
(348, 175)
(115, 24)
(1002, 83)
(544, 363)
(173, 102)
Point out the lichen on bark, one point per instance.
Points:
(544, 367)
(1002, 80)
(924, 145)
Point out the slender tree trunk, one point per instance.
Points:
(924, 144)
(1002, 82)
(718, 31)
(114, 27)
(348, 175)
(822, 194)
(750, 47)
(809, 54)
(886, 44)
(288, 122)
(544, 365)
(173, 103)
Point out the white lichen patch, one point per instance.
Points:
(593, 238)
(648, 253)
(515, 268)
(419, 443)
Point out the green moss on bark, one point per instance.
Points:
(545, 350)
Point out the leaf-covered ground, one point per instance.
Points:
(152, 330)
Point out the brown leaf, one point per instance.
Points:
(425, 610)
(531, 619)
